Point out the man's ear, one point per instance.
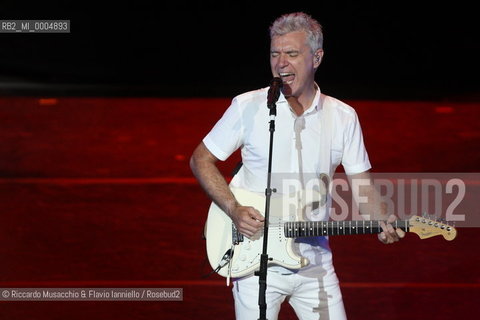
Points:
(317, 57)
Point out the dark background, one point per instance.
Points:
(373, 49)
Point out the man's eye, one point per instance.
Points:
(293, 54)
(274, 54)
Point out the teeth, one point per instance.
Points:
(284, 75)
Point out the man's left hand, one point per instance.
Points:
(389, 233)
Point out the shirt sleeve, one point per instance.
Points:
(226, 135)
(355, 158)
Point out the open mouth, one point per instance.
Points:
(287, 78)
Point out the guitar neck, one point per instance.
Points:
(294, 229)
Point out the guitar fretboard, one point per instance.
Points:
(294, 229)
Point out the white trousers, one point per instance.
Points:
(310, 299)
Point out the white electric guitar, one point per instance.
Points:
(232, 255)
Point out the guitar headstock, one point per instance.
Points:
(426, 228)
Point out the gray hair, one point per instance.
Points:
(299, 21)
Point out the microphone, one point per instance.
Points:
(274, 92)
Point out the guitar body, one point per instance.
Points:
(220, 234)
(233, 255)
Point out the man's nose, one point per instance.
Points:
(282, 61)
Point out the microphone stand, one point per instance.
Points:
(262, 272)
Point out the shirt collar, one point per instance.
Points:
(316, 101)
(316, 105)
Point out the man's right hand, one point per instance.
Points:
(248, 220)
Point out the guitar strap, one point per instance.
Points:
(326, 136)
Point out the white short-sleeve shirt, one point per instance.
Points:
(245, 125)
(296, 147)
